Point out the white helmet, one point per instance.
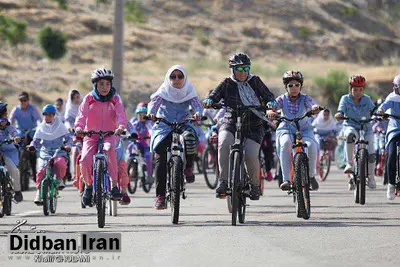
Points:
(102, 73)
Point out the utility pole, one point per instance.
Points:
(118, 45)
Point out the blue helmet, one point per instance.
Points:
(141, 110)
(49, 109)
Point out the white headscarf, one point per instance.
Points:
(61, 114)
(177, 95)
(71, 109)
(321, 124)
(51, 131)
(393, 97)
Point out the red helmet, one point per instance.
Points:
(141, 104)
(357, 81)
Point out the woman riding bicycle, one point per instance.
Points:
(241, 88)
(392, 102)
(294, 104)
(101, 110)
(325, 128)
(172, 101)
(357, 105)
(50, 135)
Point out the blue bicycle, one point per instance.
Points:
(101, 179)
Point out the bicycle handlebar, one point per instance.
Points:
(386, 116)
(174, 124)
(7, 141)
(239, 108)
(307, 114)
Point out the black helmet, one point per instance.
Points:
(239, 59)
(292, 75)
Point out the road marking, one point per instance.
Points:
(26, 213)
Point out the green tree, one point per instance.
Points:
(333, 86)
(53, 43)
(63, 4)
(134, 12)
(12, 31)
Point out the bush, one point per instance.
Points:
(134, 12)
(348, 12)
(333, 86)
(305, 33)
(98, 2)
(63, 4)
(12, 31)
(53, 43)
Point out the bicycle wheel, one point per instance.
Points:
(236, 188)
(229, 202)
(211, 183)
(146, 187)
(100, 203)
(177, 176)
(324, 166)
(24, 170)
(53, 202)
(133, 176)
(46, 196)
(2, 195)
(363, 174)
(242, 208)
(301, 185)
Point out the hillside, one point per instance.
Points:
(313, 36)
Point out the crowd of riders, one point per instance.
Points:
(63, 124)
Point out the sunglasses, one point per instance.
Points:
(240, 69)
(23, 100)
(290, 85)
(173, 77)
(48, 114)
(396, 86)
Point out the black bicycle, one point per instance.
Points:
(300, 180)
(25, 167)
(6, 185)
(210, 160)
(358, 178)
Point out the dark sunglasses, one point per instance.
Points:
(46, 113)
(290, 85)
(173, 77)
(23, 100)
(240, 69)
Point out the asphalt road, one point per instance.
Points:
(339, 232)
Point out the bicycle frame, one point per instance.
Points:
(100, 155)
(50, 176)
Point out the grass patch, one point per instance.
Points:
(201, 36)
(348, 12)
(134, 12)
(305, 33)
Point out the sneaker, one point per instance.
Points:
(18, 196)
(189, 176)
(371, 182)
(351, 186)
(60, 184)
(269, 177)
(391, 192)
(126, 200)
(115, 194)
(348, 168)
(149, 180)
(255, 192)
(160, 203)
(314, 184)
(38, 201)
(285, 186)
(87, 196)
(221, 190)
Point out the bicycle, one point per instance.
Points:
(101, 179)
(358, 178)
(299, 178)
(136, 160)
(382, 154)
(210, 162)
(262, 172)
(6, 185)
(25, 169)
(238, 182)
(175, 164)
(48, 186)
(325, 158)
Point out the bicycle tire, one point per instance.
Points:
(242, 209)
(229, 202)
(210, 184)
(53, 202)
(133, 179)
(2, 194)
(24, 174)
(177, 176)
(303, 205)
(357, 190)
(235, 172)
(46, 197)
(100, 203)
(146, 187)
(363, 174)
(324, 166)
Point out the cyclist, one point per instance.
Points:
(392, 102)
(9, 151)
(172, 101)
(71, 111)
(141, 128)
(325, 128)
(101, 110)
(27, 117)
(50, 135)
(357, 105)
(241, 88)
(295, 104)
(123, 177)
(379, 127)
(59, 104)
(139, 105)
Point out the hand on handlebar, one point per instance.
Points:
(78, 132)
(67, 148)
(30, 148)
(152, 117)
(272, 114)
(315, 109)
(339, 116)
(120, 130)
(207, 103)
(17, 139)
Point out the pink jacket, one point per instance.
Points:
(101, 116)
